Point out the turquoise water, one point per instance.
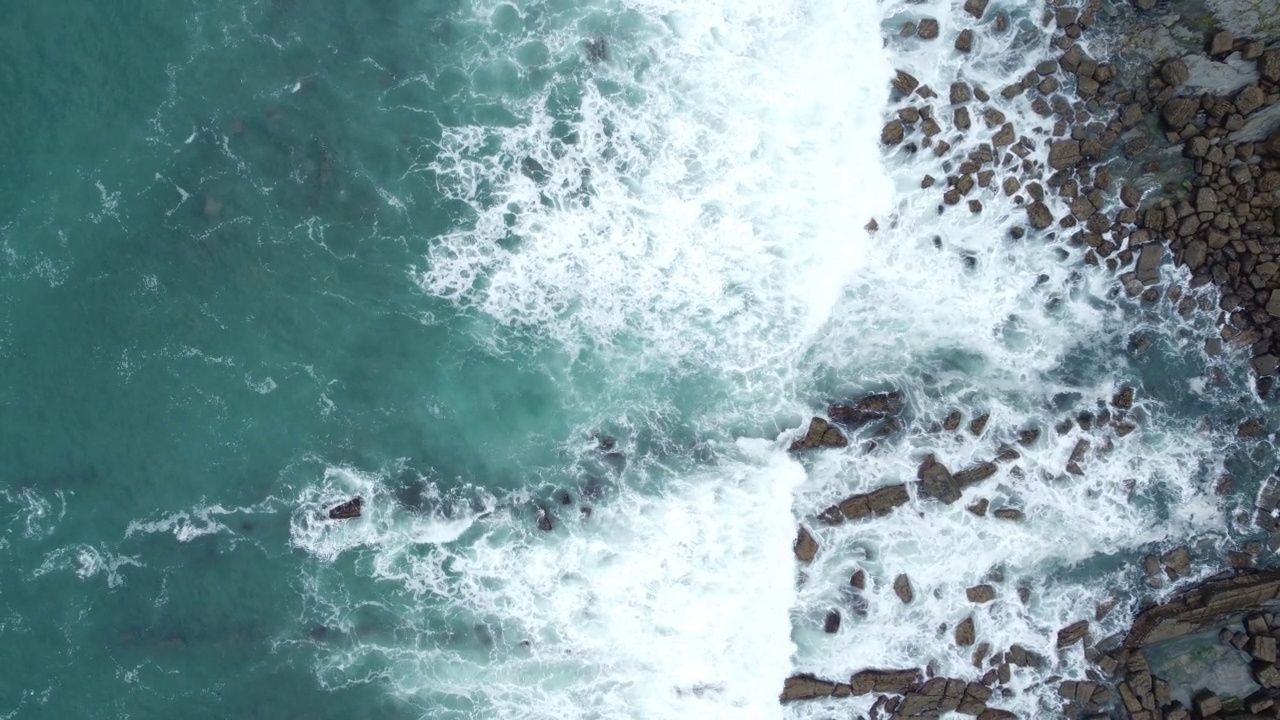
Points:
(261, 257)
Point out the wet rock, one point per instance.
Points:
(348, 510)
(873, 504)
(831, 623)
(534, 170)
(966, 632)
(1251, 428)
(545, 521)
(893, 133)
(964, 41)
(878, 406)
(1221, 43)
(1038, 215)
(1263, 648)
(1269, 66)
(975, 7)
(820, 435)
(806, 687)
(904, 82)
(1009, 514)
(1027, 438)
(896, 682)
(805, 547)
(858, 580)
(980, 594)
(979, 508)
(1175, 72)
(1072, 633)
(936, 481)
(952, 422)
(1064, 154)
(1206, 704)
(1123, 400)
(960, 93)
(1208, 605)
(978, 424)
(902, 588)
(597, 50)
(928, 29)
(975, 474)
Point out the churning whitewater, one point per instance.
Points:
(680, 207)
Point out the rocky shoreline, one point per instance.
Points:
(1164, 150)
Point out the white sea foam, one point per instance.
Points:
(731, 159)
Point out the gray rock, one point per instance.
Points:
(1269, 65)
(1178, 112)
(960, 93)
(1039, 216)
(820, 434)
(1250, 99)
(1073, 633)
(1148, 267)
(936, 481)
(1174, 72)
(902, 588)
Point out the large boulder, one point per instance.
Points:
(876, 503)
(1039, 216)
(808, 687)
(1178, 112)
(896, 682)
(936, 481)
(1064, 154)
(348, 510)
(806, 548)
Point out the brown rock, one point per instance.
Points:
(877, 406)
(1073, 633)
(1221, 43)
(978, 424)
(980, 594)
(928, 29)
(1123, 400)
(876, 503)
(858, 580)
(1174, 72)
(975, 7)
(1064, 154)
(1269, 65)
(905, 82)
(1178, 112)
(896, 682)
(1009, 514)
(806, 687)
(966, 632)
(936, 481)
(964, 41)
(893, 133)
(805, 546)
(821, 434)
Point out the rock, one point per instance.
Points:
(978, 424)
(1206, 704)
(806, 687)
(831, 623)
(1174, 72)
(1064, 154)
(1038, 215)
(1206, 200)
(975, 7)
(1250, 99)
(348, 510)
(876, 503)
(960, 119)
(902, 587)
(1221, 43)
(545, 521)
(820, 435)
(965, 632)
(960, 93)
(1206, 606)
(1073, 633)
(1148, 265)
(1123, 400)
(1178, 112)
(904, 82)
(979, 508)
(1009, 514)
(996, 713)
(937, 482)
(893, 133)
(928, 29)
(858, 580)
(1263, 648)
(1251, 428)
(980, 594)
(973, 475)
(964, 41)
(952, 421)
(1269, 65)
(877, 406)
(805, 546)
(896, 682)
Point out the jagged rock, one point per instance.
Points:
(1208, 605)
(876, 503)
(1073, 633)
(1178, 560)
(902, 587)
(966, 632)
(937, 482)
(964, 41)
(1263, 648)
(877, 406)
(980, 594)
(820, 435)
(897, 682)
(1206, 704)
(978, 424)
(545, 521)
(805, 546)
(979, 508)
(904, 82)
(348, 510)
(1269, 66)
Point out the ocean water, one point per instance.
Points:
(260, 257)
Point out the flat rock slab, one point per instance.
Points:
(1218, 77)
(1207, 606)
(1201, 661)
